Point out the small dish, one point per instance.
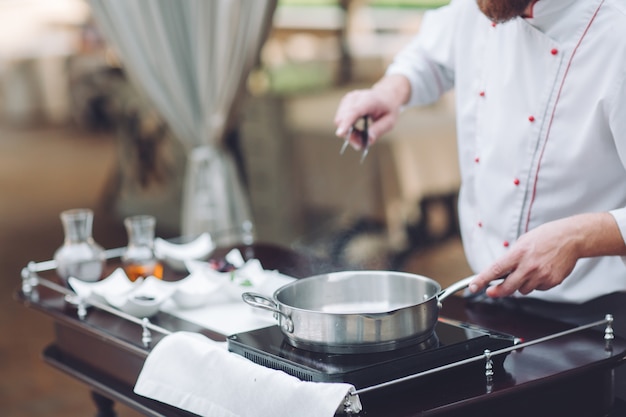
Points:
(144, 300)
(116, 283)
(235, 258)
(231, 282)
(249, 277)
(175, 254)
(194, 291)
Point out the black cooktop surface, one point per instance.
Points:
(451, 342)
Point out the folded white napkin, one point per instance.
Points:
(199, 375)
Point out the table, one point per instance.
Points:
(568, 375)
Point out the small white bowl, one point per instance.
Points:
(175, 254)
(145, 299)
(194, 291)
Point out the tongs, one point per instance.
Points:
(363, 132)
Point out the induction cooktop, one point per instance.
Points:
(450, 342)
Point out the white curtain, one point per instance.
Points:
(191, 58)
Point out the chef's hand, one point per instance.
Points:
(543, 257)
(381, 103)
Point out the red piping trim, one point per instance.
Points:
(569, 64)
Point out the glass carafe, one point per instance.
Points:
(138, 259)
(80, 256)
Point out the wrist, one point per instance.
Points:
(596, 234)
(395, 88)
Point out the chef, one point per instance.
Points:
(540, 89)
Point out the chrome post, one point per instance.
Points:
(488, 370)
(488, 364)
(29, 279)
(352, 403)
(82, 308)
(608, 332)
(146, 336)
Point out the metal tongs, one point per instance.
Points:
(363, 132)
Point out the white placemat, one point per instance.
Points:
(225, 314)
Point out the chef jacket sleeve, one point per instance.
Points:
(617, 124)
(427, 61)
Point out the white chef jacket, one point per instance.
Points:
(541, 121)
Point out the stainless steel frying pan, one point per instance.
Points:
(357, 311)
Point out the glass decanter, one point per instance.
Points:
(79, 256)
(138, 259)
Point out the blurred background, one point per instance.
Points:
(74, 132)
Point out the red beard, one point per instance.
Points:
(503, 10)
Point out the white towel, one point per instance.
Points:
(197, 374)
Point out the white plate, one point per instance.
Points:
(141, 298)
(175, 254)
(116, 283)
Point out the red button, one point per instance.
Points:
(516, 181)
(477, 159)
(505, 244)
(482, 94)
(480, 224)
(554, 51)
(531, 118)
(493, 24)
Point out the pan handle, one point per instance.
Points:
(463, 284)
(456, 287)
(265, 303)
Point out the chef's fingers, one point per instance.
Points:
(344, 124)
(381, 125)
(377, 127)
(527, 287)
(505, 288)
(356, 139)
(496, 271)
(352, 106)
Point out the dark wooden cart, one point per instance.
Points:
(568, 375)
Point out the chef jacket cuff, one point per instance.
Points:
(620, 218)
(426, 84)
